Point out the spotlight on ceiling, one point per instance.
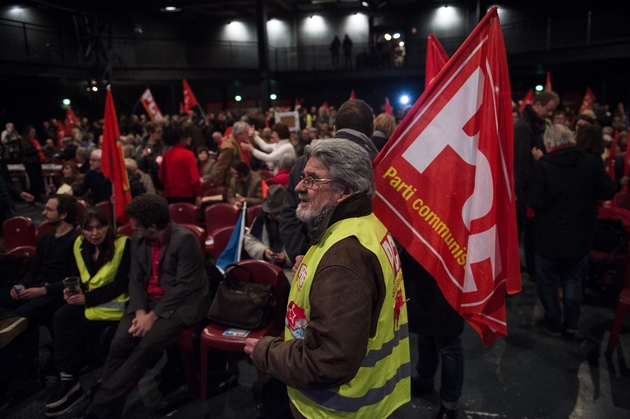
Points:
(170, 9)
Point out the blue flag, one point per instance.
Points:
(232, 252)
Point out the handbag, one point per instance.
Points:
(244, 305)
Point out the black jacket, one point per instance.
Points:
(528, 133)
(563, 190)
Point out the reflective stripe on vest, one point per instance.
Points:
(110, 310)
(382, 383)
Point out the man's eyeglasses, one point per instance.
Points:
(309, 181)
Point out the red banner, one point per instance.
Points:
(445, 184)
(112, 162)
(388, 107)
(71, 118)
(588, 101)
(527, 100)
(352, 94)
(189, 98)
(548, 81)
(436, 59)
(151, 106)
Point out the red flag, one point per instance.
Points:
(325, 105)
(71, 118)
(352, 95)
(436, 59)
(527, 100)
(150, 105)
(297, 104)
(388, 107)
(548, 81)
(588, 101)
(445, 184)
(112, 162)
(189, 98)
(61, 131)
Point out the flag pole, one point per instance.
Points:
(133, 110)
(203, 115)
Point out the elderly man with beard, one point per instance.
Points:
(346, 303)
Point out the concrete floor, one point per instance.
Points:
(524, 375)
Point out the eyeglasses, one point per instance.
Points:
(309, 181)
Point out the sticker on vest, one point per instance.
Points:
(301, 275)
(296, 320)
(398, 305)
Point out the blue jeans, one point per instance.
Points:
(451, 352)
(553, 274)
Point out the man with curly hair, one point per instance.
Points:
(168, 292)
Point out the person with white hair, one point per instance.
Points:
(564, 189)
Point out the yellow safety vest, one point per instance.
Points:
(111, 310)
(383, 381)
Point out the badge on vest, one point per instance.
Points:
(296, 320)
(301, 275)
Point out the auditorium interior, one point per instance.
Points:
(241, 55)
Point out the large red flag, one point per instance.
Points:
(189, 98)
(445, 184)
(112, 162)
(527, 100)
(61, 131)
(71, 118)
(436, 59)
(388, 107)
(150, 105)
(588, 101)
(352, 94)
(548, 81)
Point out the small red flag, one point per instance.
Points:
(352, 95)
(444, 181)
(325, 105)
(112, 162)
(436, 59)
(61, 131)
(548, 81)
(297, 103)
(189, 98)
(71, 118)
(527, 100)
(150, 105)
(388, 107)
(588, 101)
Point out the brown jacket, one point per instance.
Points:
(250, 188)
(229, 153)
(346, 298)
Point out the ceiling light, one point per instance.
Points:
(396, 35)
(365, 4)
(387, 37)
(171, 9)
(238, 98)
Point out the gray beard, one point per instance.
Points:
(313, 222)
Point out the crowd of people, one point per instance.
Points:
(133, 297)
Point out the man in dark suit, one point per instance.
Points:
(168, 292)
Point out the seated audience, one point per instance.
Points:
(139, 181)
(284, 170)
(245, 186)
(102, 260)
(95, 181)
(262, 241)
(205, 163)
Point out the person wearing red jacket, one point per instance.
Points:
(178, 171)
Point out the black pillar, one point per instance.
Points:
(263, 55)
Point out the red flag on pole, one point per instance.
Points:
(150, 105)
(112, 162)
(325, 105)
(388, 107)
(436, 59)
(527, 100)
(189, 98)
(352, 95)
(61, 132)
(548, 81)
(588, 101)
(71, 118)
(445, 185)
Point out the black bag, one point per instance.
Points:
(610, 237)
(243, 305)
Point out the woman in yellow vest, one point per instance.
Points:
(102, 265)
